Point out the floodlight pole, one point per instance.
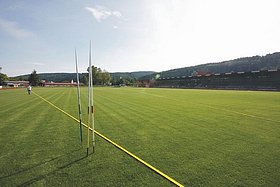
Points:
(79, 98)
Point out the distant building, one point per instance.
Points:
(146, 83)
(53, 84)
(16, 84)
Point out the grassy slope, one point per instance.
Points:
(199, 137)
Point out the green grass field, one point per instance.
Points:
(197, 137)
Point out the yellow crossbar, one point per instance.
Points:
(115, 144)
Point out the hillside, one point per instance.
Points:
(131, 75)
(55, 77)
(61, 77)
(246, 64)
(267, 62)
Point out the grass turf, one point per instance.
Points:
(198, 137)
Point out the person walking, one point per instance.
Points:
(29, 88)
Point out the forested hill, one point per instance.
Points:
(55, 77)
(255, 63)
(131, 75)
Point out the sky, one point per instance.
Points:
(138, 35)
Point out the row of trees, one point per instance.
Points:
(123, 81)
(99, 77)
(3, 77)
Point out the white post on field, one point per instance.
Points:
(90, 104)
(92, 101)
(79, 98)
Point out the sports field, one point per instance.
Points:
(197, 137)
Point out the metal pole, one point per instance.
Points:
(79, 98)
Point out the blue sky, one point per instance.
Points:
(135, 35)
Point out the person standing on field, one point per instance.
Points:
(29, 88)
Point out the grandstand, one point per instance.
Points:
(254, 80)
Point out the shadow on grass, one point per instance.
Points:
(40, 177)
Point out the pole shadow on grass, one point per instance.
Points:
(40, 177)
(42, 163)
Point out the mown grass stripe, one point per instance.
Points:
(240, 113)
(216, 108)
(117, 145)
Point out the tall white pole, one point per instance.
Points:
(92, 101)
(79, 98)
(89, 106)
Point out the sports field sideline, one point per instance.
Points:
(198, 137)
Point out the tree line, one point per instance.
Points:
(3, 77)
(99, 77)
